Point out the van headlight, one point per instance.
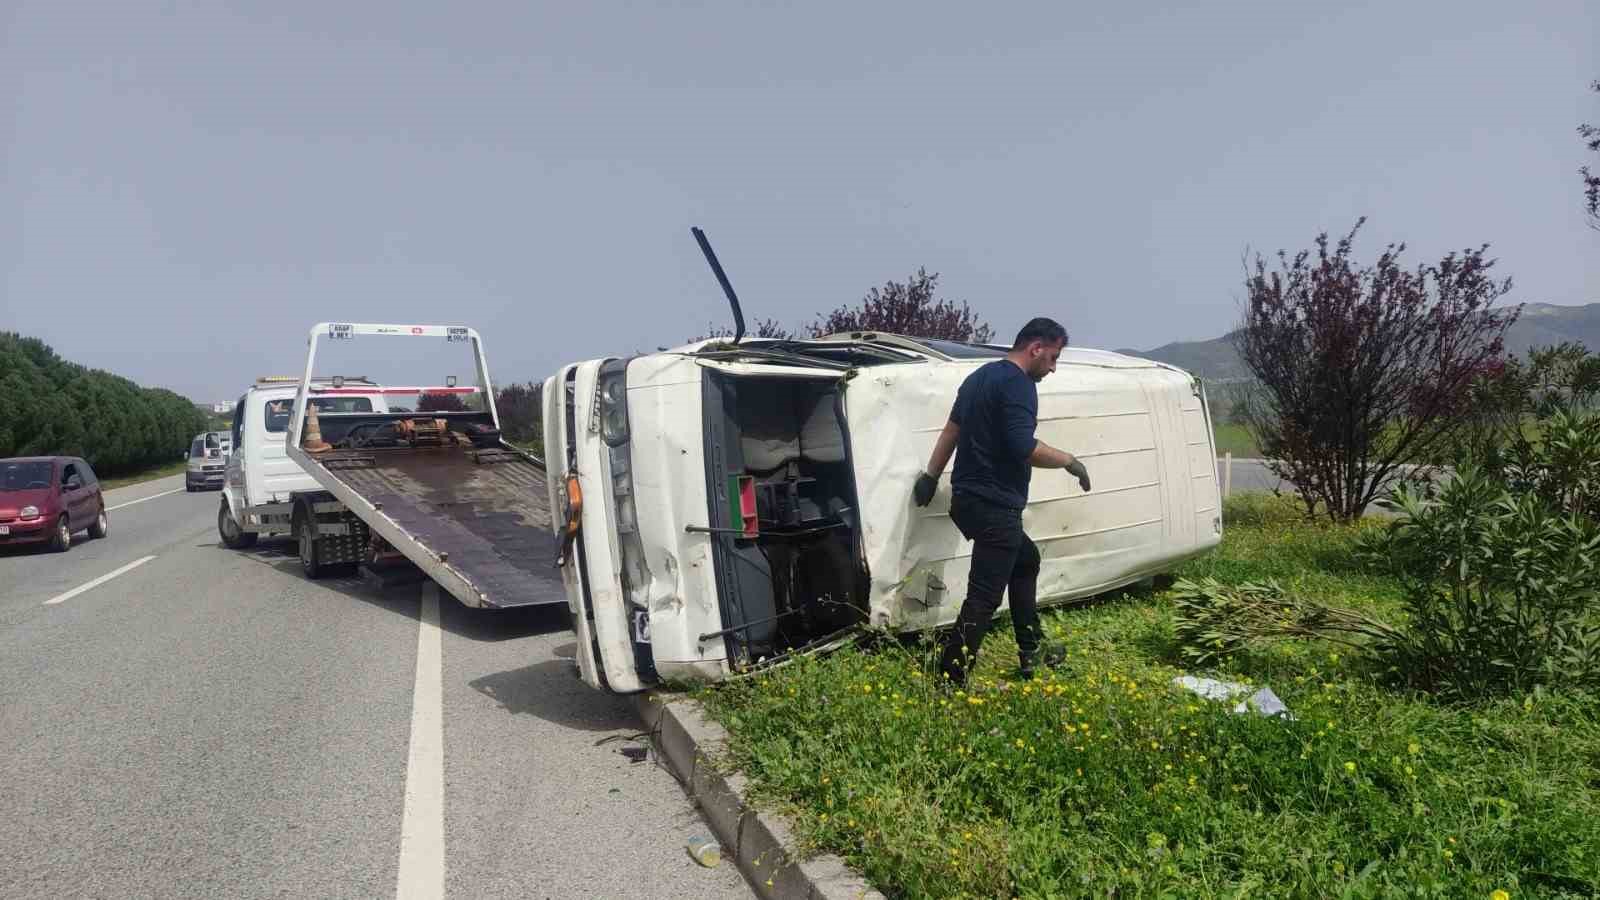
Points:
(613, 388)
(29, 512)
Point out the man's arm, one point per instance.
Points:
(928, 481)
(1045, 456)
(943, 448)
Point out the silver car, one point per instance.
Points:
(208, 458)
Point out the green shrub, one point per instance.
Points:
(1500, 588)
(1558, 461)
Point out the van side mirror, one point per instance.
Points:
(74, 482)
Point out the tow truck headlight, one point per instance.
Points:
(614, 405)
(29, 512)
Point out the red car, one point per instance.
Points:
(48, 499)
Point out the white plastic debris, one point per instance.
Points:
(1263, 701)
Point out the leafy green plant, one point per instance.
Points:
(1502, 589)
(1559, 463)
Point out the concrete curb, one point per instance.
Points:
(690, 743)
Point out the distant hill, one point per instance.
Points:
(1540, 325)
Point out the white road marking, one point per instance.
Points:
(62, 598)
(422, 828)
(143, 499)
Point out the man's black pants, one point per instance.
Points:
(1002, 557)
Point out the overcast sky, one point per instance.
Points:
(187, 187)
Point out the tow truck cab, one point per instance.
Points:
(725, 506)
(260, 478)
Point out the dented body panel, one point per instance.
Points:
(1141, 430)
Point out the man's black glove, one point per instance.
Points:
(923, 493)
(1076, 468)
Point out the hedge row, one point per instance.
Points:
(49, 406)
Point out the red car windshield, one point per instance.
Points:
(24, 476)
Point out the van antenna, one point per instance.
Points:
(722, 279)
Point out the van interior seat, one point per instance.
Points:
(780, 425)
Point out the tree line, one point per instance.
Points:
(49, 407)
(911, 307)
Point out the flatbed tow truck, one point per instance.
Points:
(441, 488)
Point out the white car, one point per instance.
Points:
(725, 505)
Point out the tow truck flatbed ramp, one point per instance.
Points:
(479, 519)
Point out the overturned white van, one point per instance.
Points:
(727, 504)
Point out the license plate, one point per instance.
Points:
(5, 530)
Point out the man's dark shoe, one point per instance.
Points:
(1049, 656)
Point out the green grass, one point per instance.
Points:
(1234, 438)
(161, 471)
(1100, 778)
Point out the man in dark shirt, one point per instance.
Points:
(991, 433)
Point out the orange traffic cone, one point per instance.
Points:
(312, 441)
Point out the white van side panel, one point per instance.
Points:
(1126, 423)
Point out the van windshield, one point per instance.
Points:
(27, 476)
(278, 410)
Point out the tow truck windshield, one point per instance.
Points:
(278, 410)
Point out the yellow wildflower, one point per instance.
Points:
(1349, 767)
(1499, 895)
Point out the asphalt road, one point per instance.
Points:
(211, 724)
(1253, 476)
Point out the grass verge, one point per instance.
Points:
(162, 471)
(1235, 439)
(1101, 778)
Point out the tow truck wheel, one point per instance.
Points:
(311, 561)
(305, 535)
(233, 537)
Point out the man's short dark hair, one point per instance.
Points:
(1041, 329)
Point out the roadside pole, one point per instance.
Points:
(1227, 474)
